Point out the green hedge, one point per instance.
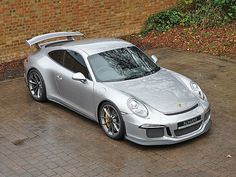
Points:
(203, 13)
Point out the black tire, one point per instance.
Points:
(114, 121)
(36, 85)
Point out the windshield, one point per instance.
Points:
(121, 64)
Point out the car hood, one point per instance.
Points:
(162, 91)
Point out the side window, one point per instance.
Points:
(75, 62)
(57, 56)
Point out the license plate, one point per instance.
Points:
(188, 122)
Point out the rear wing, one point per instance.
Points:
(36, 40)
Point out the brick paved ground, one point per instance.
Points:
(48, 140)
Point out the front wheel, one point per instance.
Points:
(111, 121)
(36, 85)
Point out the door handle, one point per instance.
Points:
(59, 77)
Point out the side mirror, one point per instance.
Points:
(154, 58)
(79, 77)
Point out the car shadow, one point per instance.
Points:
(72, 112)
(92, 123)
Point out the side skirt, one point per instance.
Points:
(55, 100)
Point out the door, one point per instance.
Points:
(78, 95)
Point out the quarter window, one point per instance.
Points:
(57, 56)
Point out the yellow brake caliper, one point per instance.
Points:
(107, 120)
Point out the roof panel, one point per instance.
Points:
(93, 46)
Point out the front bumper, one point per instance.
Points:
(170, 133)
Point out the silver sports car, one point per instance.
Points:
(115, 84)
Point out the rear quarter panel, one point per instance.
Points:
(45, 66)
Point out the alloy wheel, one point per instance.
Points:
(35, 85)
(110, 120)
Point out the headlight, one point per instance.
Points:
(197, 90)
(137, 108)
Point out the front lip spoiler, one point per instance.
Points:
(169, 141)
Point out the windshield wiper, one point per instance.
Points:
(132, 77)
(137, 75)
(155, 70)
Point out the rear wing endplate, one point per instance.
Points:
(40, 38)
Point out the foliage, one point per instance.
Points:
(228, 6)
(163, 21)
(207, 15)
(202, 13)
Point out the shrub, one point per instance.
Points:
(228, 6)
(162, 21)
(207, 15)
(203, 13)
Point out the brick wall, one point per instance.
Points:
(23, 19)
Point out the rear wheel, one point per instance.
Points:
(36, 85)
(111, 121)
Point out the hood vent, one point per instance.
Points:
(181, 112)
